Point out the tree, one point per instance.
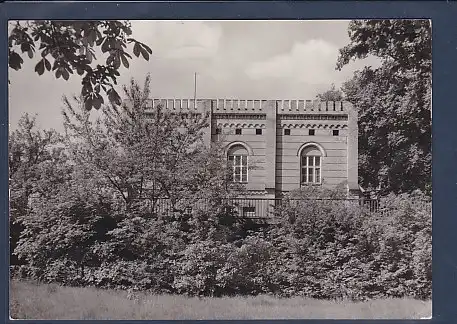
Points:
(69, 46)
(98, 227)
(144, 153)
(404, 44)
(393, 102)
(37, 167)
(36, 159)
(332, 94)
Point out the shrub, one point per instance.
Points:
(320, 248)
(196, 270)
(338, 250)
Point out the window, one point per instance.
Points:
(311, 165)
(336, 132)
(258, 131)
(218, 131)
(287, 132)
(238, 131)
(238, 162)
(311, 132)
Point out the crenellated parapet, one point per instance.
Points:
(254, 106)
(180, 105)
(291, 107)
(239, 106)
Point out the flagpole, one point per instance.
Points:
(195, 90)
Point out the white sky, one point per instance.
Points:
(233, 59)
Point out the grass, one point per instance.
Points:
(30, 300)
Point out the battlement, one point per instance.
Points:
(187, 105)
(239, 106)
(255, 106)
(311, 106)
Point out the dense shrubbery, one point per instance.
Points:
(328, 249)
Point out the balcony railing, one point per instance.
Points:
(254, 208)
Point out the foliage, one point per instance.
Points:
(326, 249)
(60, 231)
(393, 102)
(339, 250)
(105, 214)
(142, 153)
(198, 267)
(37, 168)
(34, 158)
(406, 43)
(69, 46)
(331, 94)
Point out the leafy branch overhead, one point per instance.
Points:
(66, 47)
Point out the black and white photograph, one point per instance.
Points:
(220, 169)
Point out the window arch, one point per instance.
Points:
(310, 165)
(237, 156)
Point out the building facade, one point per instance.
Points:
(275, 146)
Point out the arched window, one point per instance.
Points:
(311, 165)
(238, 162)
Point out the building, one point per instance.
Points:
(290, 143)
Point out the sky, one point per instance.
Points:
(232, 59)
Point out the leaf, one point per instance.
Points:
(105, 47)
(147, 48)
(65, 74)
(97, 102)
(113, 97)
(88, 103)
(25, 47)
(100, 39)
(85, 42)
(15, 61)
(125, 61)
(30, 53)
(89, 56)
(86, 89)
(117, 62)
(58, 73)
(39, 67)
(136, 50)
(144, 53)
(92, 37)
(110, 60)
(47, 64)
(128, 31)
(79, 70)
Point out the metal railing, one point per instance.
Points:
(256, 208)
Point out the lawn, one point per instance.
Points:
(29, 300)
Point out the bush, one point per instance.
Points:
(338, 250)
(321, 248)
(196, 271)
